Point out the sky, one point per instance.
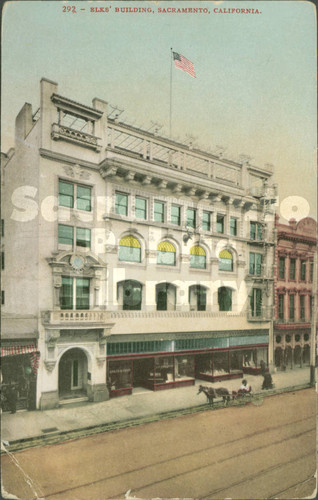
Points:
(254, 91)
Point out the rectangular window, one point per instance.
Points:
(2, 228)
(191, 217)
(291, 306)
(65, 234)
(255, 231)
(175, 215)
(66, 194)
(141, 208)
(302, 306)
(206, 221)
(121, 204)
(310, 305)
(311, 271)
(281, 306)
(256, 302)
(66, 297)
(2, 260)
(281, 272)
(82, 293)
(292, 269)
(220, 223)
(2, 297)
(252, 263)
(159, 211)
(83, 237)
(83, 198)
(233, 226)
(303, 270)
(255, 263)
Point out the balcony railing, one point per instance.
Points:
(75, 317)
(76, 136)
(285, 321)
(265, 314)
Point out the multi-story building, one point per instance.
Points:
(131, 260)
(294, 295)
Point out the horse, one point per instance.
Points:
(212, 393)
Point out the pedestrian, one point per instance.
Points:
(244, 387)
(263, 367)
(267, 382)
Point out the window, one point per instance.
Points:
(2, 260)
(2, 228)
(129, 249)
(302, 306)
(303, 270)
(225, 261)
(131, 295)
(175, 215)
(66, 236)
(311, 300)
(206, 221)
(197, 297)
(69, 192)
(281, 306)
(255, 231)
(165, 297)
(256, 302)
(141, 208)
(220, 223)
(225, 298)
(74, 293)
(292, 269)
(191, 217)
(281, 271)
(2, 297)
(121, 204)
(166, 254)
(311, 271)
(197, 257)
(233, 226)
(291, 306)
(159, 211)
(255, 263)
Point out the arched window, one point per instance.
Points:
(166, 254)
(166, 297)
(129, 294)
(225, 298)
(129, 249)
(197, 257)
(197, 298)
(225, 261)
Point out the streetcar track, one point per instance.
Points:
(255, 475)
(299, 483)
(173, 459)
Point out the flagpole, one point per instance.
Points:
(170, 91)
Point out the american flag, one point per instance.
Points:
(183, 63)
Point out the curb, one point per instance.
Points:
(62, 436)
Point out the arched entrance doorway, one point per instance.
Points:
(73, 374)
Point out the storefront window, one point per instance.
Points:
(249, 358)
(184, 367)
(119, 374)
(164, 370)
(236, 361)
(262, 355)
(203, 363)
(220, 363)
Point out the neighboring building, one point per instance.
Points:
(131, 260)
(294, 296)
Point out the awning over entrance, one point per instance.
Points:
(14, 350)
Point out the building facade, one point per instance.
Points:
(131, 260)
(294, 293)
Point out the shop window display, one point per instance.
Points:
(164, 368)
(184, 367)
(236, 361)
(249, 358)
(119, 375)
(220, 363)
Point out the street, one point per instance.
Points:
(247, 452)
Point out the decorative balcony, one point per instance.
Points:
(75, 136)
(294, 321)
(80, 319)
(265, 314)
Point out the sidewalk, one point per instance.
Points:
(142, 403)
